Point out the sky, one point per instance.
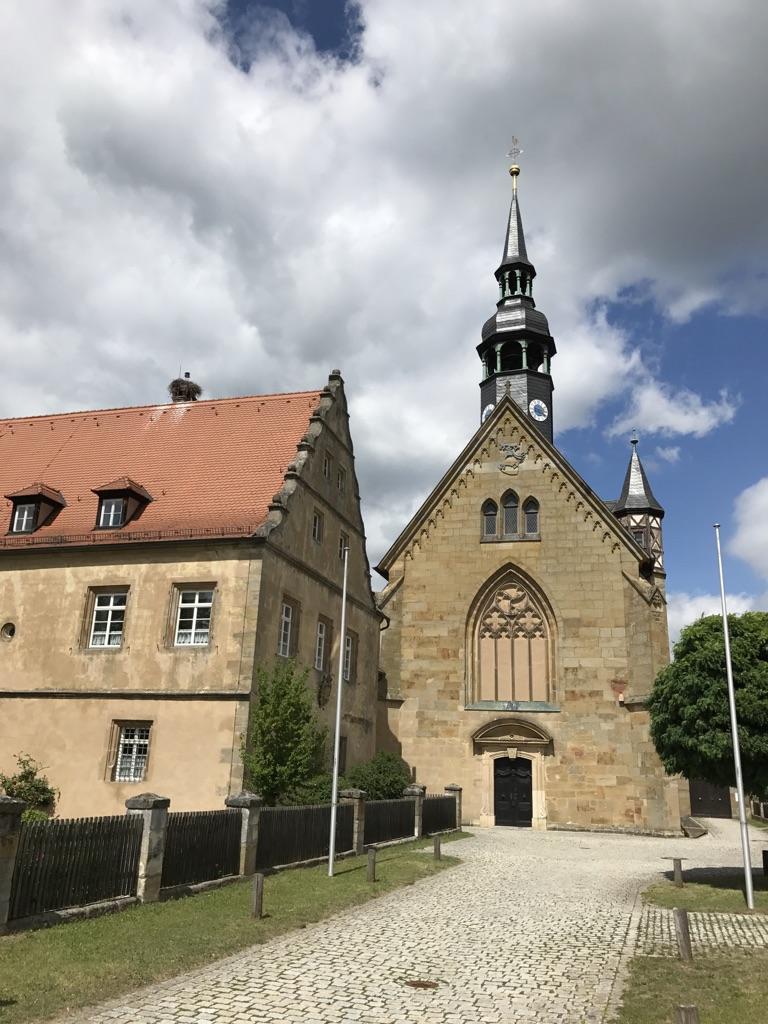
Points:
(260, 193)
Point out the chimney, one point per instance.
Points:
(184, 390)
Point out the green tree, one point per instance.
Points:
(690, 722)
(285, 745)
(383, 778)
(29, 784)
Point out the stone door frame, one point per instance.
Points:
(538, 795)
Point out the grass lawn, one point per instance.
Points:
(757, 823)
(50, 971)
(710, 889)
(728, 989)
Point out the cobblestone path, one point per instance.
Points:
(531, 927)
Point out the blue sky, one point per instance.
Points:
(260, 193)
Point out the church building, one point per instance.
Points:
(526, 618)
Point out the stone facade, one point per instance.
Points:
(61, 700)
(579, 616)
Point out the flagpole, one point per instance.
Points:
(743, 828)
(337, 733)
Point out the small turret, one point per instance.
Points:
(638, 510)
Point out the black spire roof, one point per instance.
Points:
(514, 244)
(636, 494)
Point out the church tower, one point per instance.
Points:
(516, 348)
(639, 512)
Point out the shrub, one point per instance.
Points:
(29, 784)
(383, 778)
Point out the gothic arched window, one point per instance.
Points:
(509, 505)
(511, 643)
(490, 513)
(531, 516)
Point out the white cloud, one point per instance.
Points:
(750, 541)
(683, 609)
(658, 408)
(161, 207)
(669, 454)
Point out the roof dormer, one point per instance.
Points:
(120, 501)
(34, 506)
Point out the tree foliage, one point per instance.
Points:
(383, 778)
(690, 722)
(31, 785)
(285, 744)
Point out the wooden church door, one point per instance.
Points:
(513, 792)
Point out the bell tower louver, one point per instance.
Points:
(516, 349)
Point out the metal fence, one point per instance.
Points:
(201, 846)
(290, 835)
(389, 819)
(74, 861)
(438, 814)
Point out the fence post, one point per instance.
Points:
(10, 829)
(687, 1015)
(357, 798)
(677, 868)
(452, 789)
(154, 811)
(370, 874)
(250, 805)
(683, 933)
(417, 792)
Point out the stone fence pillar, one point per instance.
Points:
(154, 811)
(357, 798)
(250, 805)
(10, 828)
(417, 792)
(455, 791)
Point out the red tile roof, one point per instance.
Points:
(211, 467)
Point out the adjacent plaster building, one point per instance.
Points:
(151, 559)
(527, 617)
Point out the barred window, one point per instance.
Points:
(193, 619)
(24, 518)
(111, 512)
(132, 753)
(510, 505)
(108, 619)
(489, 518)
(531, 510)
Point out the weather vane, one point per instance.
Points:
(514, 151)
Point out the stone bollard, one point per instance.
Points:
(371, 869)
(11, 811)
(683, 933)
(455, 791)
(154, 810)
(677, 868)
(257, 896)
(436, 848)
(357, 798)
(687, 1015)
(250, 805)
(416, 792)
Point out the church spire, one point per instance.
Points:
(516, 347)
(639, 511)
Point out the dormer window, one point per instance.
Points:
(24, 517)
(120, 501)
(111, 513)
(34, 506)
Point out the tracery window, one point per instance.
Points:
(490, 513)
(512, 647)
(510, 506)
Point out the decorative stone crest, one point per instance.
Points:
(512, 615)
(514, 457)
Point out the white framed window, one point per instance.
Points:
(349, 668)
(288, 634)
(317, 526)
(24, 518)
(327, 466)
(341, 481)
(343, 544)
(193, 618)
(321, 639)
(111, 512)
(108, 619)
(132, 752)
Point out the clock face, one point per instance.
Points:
(538, 409)
(487, 412)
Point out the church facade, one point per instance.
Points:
(526, 617)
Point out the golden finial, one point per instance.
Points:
(514, 151)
